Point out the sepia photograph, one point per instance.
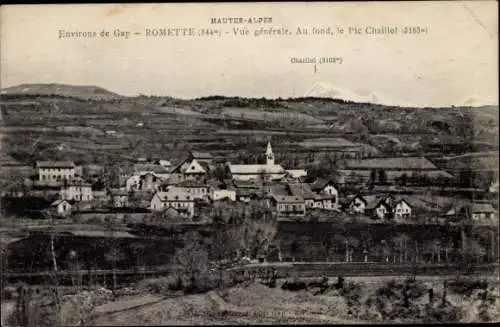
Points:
(249, 163)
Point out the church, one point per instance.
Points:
(270, 170)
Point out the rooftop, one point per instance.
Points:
(256, 169)
(55, 164)
(320, 183)
(150, 168)
(175, 194)
(297, 173)
(288, 199)
(201, 155)
(57, 202)
(301, 190)
(192, 183)
(483, 208)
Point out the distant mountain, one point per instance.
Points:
(475, 101)
(325, 90)
(76, 91)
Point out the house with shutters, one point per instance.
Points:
(191, 169)
(377, 207)
(401, 209)
(76, 190)
(176, 197)
(327, 188)
(288, 206)
(475, 211)
(55, 170)
(312, 200)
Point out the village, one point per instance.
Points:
(199, 190)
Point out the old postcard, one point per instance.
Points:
(249, 163)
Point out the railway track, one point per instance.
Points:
(263, 270)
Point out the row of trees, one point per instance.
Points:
(400, 249)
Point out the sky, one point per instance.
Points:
(454, 63)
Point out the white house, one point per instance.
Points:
(60, 208)
(328, 188)
(76, 191)
(198, 189)
(401, 209)
(175, 197)
(325, 186)
(377, 209)
(55, 170)
(191, 169)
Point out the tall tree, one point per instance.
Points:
(192, 258)
(401, 243)
(382, 176)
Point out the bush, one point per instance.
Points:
(161, 285)
(488, 309)
(294, 285)
(396, 300)
(352, 292)
(322, 283)
(444, 313)
(205, 283)
(466, 286)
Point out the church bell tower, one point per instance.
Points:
(269, 154)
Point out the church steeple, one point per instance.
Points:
(269, 154)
